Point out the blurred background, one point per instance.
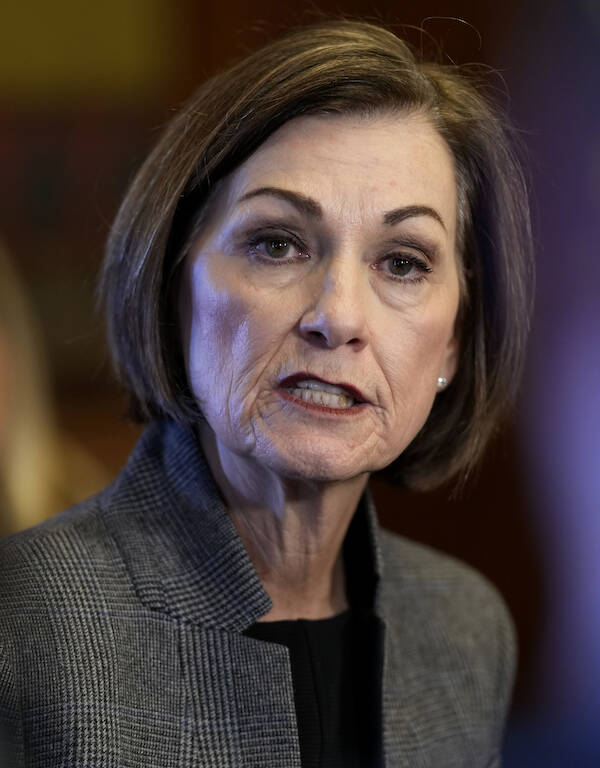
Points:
(84, 91)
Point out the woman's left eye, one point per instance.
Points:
(405, 268)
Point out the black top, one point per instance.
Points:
(336, 673)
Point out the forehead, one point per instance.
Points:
(344, 161)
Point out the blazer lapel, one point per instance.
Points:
(187, 561)
(179, 544)
(241, 701)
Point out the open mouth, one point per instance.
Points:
(315, 392)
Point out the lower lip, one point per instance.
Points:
(354, 410)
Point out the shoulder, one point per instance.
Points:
(65, 536)
(47, 573)
(59, 566)
(438, 580)
(80, 541)
(450, 614)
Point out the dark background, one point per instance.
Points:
(85, 89)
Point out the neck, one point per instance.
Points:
(293, 530)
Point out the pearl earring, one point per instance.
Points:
(442, 383)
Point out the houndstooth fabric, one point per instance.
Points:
(121, 644)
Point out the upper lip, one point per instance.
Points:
(290, 381)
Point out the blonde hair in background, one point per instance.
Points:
(41, 471)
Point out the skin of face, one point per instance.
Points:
(297, 268)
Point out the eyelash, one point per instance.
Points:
(414, 261)
(260, 238)
(254, 242)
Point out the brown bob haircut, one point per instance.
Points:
(334, 68)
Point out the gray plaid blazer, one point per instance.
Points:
(121, 644)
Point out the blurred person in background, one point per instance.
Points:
(319, 273)
(42, 470)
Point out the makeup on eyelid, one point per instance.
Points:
(399, 259)
(268, 231)
(409, 233)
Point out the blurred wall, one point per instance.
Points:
(84, 90)
(555, 82)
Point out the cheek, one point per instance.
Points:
(230, 328)
(213, 325)
(413, 359)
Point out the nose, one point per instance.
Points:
(336, 315)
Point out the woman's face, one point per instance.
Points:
(318, 304)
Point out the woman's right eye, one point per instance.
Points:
(277, 248)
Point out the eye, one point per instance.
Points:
(276, 247)
(400, 266)
(405, 268)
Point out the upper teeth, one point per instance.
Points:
(312, 384)
(319, 393)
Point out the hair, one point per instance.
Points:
(337, 67)
(41, 470)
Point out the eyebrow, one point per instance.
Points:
(400, 214)
(311, 208)
(304, 204)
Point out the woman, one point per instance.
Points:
(319, 273)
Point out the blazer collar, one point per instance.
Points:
(181, 549)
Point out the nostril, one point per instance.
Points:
(332, 328)
(317, 337)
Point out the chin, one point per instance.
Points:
(319, 464)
